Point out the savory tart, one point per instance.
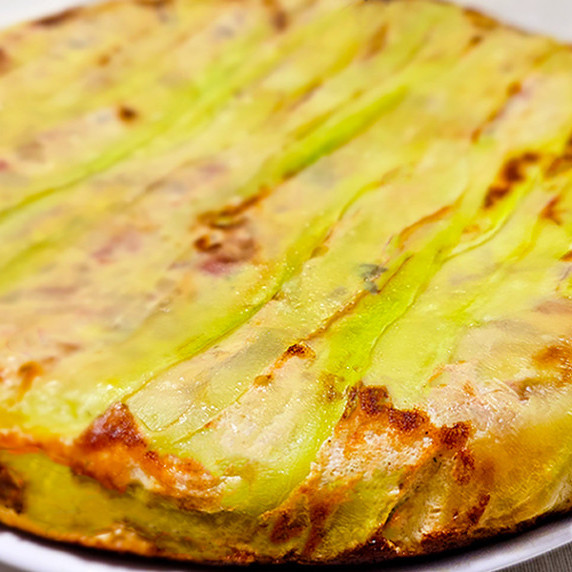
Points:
(283, 280)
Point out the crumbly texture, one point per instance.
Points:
(283, 280)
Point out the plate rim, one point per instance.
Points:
(23, 551)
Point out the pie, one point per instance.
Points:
(283, 280)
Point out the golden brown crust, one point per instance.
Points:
(11, 491)
(121, 541)
(511, 173)
(113, 452)
(377, 549)
(59, 18)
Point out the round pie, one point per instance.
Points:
(283, 280)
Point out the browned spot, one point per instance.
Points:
(375, 403)
(305, 514)
(11, 490)
(104, 60)
(279, 296)
(373, 400)
(115, 427)
(225, 249)
(5, 61)
(464, 467)
(28, 372)
(375, 549)
(475, 513)
(554, 366)
(319, 251)
(351, 402)
(514, 89)
(557, 360)
(113, 451)
(127, 114)
(442, 540)
(287, 526)
(154, 3)
(237, 248)
(319, 513)
(229, 215)
(59, 18)
(263, 380)
(494, 195)
(208, 242)
(407, 421)
(560, 165)
(514, 171)
(567, 257)
(69, 347)
(551, 211)
(455, 437)
(476, 40)
(369, 431)
(229, 240)
(480, 20)
(300, 350)
(436, 374)
(377, 42)
(278, 16)
(524, 388)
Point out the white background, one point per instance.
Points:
(550, 16)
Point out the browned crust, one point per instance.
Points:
(127, 543)
(112, 447)
(376, 549)
(278, 16)
(127, 114)
(113, 442)
(11, 491)
(512, 173)
(5, 61)
(59, 18)
(379, 549)
(154, 3)
(112, 451)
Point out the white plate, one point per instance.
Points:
(31, 555)
(547, 16)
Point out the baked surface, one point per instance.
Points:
(283, 280)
